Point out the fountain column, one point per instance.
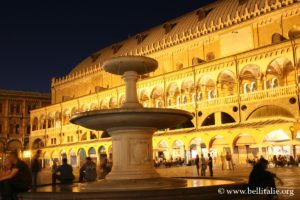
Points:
(131, 101)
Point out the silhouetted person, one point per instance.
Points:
(65, 173)
(261, 178)
(88, 171)
(210, 165)
(35, 168)
(197, 163)
(222, 157)
(229, 160)
(18, 180)
(203, 165)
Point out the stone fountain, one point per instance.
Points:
(132, 126)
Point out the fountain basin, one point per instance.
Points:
(140, 64)
(137, 117)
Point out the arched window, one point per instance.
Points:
(211, 94)
(246, 88)
(199, 96)
(169, 102)
(178, 100)
(253, 87)
(193, 97)
(275, 83)
(184, 99)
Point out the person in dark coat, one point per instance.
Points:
(65, 173)
(35, 168)
(260, 177)
(197, 163)
(210, 165)
(18, 180)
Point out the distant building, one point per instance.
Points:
(233, 64)
(15, 107)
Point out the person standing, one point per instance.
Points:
(35, 168)
(88, 171)
(203, 165)
(222, 160)
(65, 173)
(229, 160)
(18, 180)
(54, 170)
(197, 162)
(210, 164)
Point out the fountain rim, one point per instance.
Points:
(168, 111)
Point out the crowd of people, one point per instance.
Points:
(16, 176)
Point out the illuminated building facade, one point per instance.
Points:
(232, 63)
(15, 107)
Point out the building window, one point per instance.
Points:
(246, 88)
(12, 108)
(70, 139)
(178, 101)
(28, 129)
(17, 128)
(18, 108)
(253, 87)
(53, 141)
(275, 83)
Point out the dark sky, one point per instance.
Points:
(43, 39)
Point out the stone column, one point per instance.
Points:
(130, 78)
(133, 147)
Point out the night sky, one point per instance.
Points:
(43, 39)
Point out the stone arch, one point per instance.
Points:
(227, 118)
(84, 108)
(42, 121)
(73, 157)
(196, 145)
(277, 135)
(94, 106)
(157, 96)
(241, 147)
(173, 94)
(57, 119)
(209, 120)
(104, 104)
(207, 86)
(218, 141)
(14, 145)
(188, 91)
(121, 100)
(74, 111)
(113, 102)
(162, 150)
(66, 116)
(269, 111)
(38, 144)
(144, 98)
(178, 150)
(280, 68)
(227, 82)
(81, 156)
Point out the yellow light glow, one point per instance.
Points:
(27, 154)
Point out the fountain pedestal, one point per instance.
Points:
(133, 147)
